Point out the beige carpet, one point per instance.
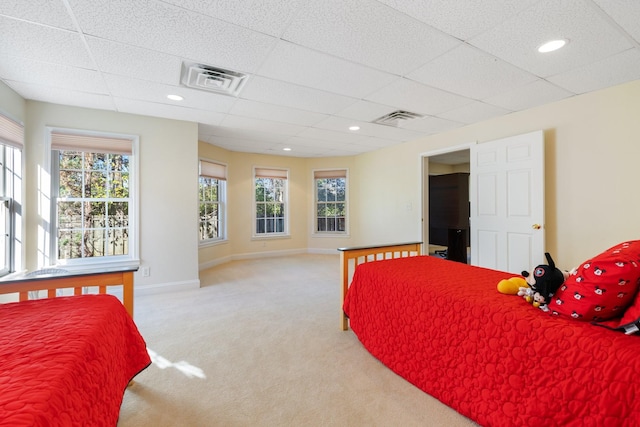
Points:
(260, 344)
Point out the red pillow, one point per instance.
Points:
(602, 287)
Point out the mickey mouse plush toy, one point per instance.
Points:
(543, 283)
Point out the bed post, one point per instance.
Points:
(370, 253)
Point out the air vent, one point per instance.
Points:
(213, 79)
(395, 118)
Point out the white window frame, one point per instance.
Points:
(132, 259)
(11, 169)
(222, 203)
(315, 232)
(285, 233)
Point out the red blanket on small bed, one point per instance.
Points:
(66, 361)
(494, 358)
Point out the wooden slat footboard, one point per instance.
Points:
(363, 254)
(75, 281)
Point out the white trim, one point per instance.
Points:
(445, 150)
(314, 208)
(424, 156)
(49, 224)
(166, 287)
(253, 255)
(286, 233)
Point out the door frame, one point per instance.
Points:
(424, 193)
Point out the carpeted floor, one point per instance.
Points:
(260, 344)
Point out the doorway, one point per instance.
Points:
(451, 161)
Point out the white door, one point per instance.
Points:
(507, 203)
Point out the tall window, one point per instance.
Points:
(212, 196)
(11, 143)
(93, 192)
(331, 201)
(271, 207)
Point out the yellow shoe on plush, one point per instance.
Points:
(512, 285)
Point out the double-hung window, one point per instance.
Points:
(94, 198)
(331, 201)
(271, 205)
(11, 143)
(212, 193)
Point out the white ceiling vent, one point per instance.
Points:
(395, 118)
(213, 79)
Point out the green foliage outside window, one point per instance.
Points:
(92, 204)
(270, 205)
(331, 204)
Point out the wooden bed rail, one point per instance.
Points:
(362, 254)
(76, 281)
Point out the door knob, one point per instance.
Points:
(536, 226)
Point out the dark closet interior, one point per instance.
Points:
(449, 214)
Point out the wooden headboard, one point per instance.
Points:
(351, 257)
(75, 281)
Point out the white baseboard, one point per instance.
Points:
(166, 287)
(256, 255)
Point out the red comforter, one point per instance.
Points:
(66, 361)
(492, 357)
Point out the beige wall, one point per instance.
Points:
(240, 243)
(167, 187)
(592, 153)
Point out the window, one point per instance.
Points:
(94, 198)
(11, 143)
(270, 202)
(331, 201)
(212, 196)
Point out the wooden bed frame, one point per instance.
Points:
(351, 257)
(73, 280)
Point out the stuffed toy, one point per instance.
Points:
(512, 285)
(543, 283)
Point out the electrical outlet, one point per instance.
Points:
(146, 271)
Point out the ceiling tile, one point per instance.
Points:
(175, 112)
(330, 135)
(626, 13)
(365, 111)
(125, 87)
(62, 96)
(462, 19)
(367, 32)
(429, 125)
(340, 124)
(414, 97)
(470, 72)
(475, 112)
(258, 125)
(266, 16)
(51, 13)
(611, 71)
(590, 37)
(280, 93)
(532, 95)
(48, 44)
(60, 76)
(306, 67)
(277, 113)
(159, 26)
(135, 62)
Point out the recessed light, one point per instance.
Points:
(354, 128)
(552, 45)
(286, 149)
(175, 97)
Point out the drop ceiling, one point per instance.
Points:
(313, 68)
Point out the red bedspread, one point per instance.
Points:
(492, 357)
(66, 361)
